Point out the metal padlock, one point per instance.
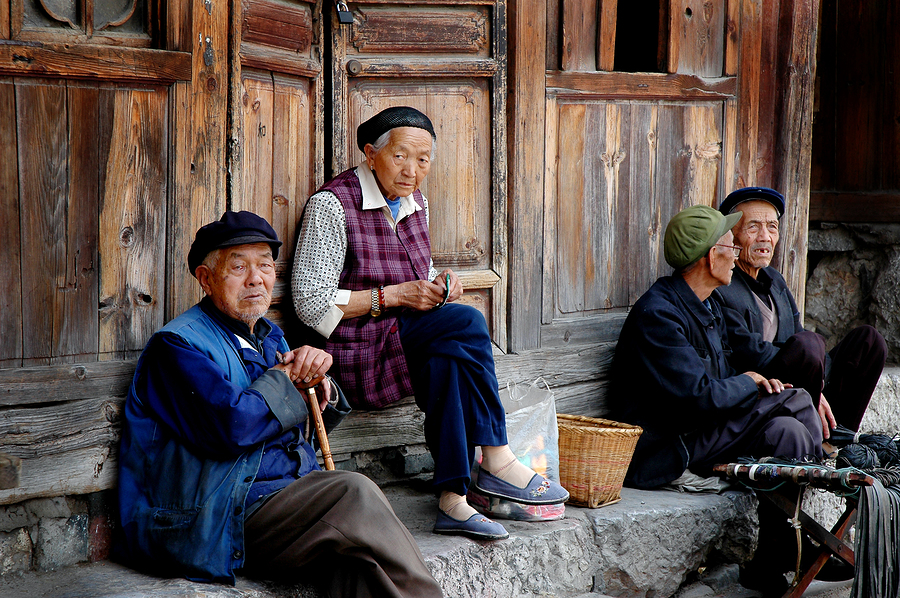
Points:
(345, 17)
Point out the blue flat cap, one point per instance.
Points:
(391, 118)
(750, 194)
(233, 228)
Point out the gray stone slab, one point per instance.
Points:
(645, 545)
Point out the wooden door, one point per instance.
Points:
(446, 59)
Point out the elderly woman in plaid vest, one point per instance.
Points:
(363, 278)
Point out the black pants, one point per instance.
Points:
(336, 528)
(849, 381)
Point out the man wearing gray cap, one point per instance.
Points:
(764, 329)
(216, 470)
(364, 280)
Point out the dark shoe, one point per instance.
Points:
(835, 569)
(477, 526)
(539, 491)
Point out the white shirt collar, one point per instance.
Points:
(373, 199)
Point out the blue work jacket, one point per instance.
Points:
(208, 429)
(671, 377)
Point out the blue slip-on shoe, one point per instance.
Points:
(539, 491)
(477, 526)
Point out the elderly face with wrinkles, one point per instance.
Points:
(239, 280)
(757, 233)
(402, 164)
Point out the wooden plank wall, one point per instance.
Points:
(90, 189)
(276, 150)
(64, 421)
(856, 134)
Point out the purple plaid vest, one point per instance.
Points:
(369, 360)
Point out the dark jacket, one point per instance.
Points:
(744, 322)
(671, 377)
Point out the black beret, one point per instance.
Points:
(391, 118)
(233, 228)
(750, 194)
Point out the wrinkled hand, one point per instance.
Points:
(423, 295)
(456, 287)
(770, 386)
(829, 423)
(305, 366)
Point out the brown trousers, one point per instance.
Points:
(337, 528)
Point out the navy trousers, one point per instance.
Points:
(448, 353)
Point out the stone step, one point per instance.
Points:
(644, 545)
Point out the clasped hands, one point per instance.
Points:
(423, 295)
(306, 367)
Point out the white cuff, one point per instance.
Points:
(342, 297)
(332, 318)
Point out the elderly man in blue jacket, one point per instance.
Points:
(217, 472)
(671, 376)
(764, 328)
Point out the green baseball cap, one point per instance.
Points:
(693, 231)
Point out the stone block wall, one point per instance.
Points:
(854, 275)
(45, 534)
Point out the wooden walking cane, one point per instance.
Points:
(320, 428)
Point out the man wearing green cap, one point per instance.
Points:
(672, 378)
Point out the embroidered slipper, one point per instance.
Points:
(539, 491)
(477, 526)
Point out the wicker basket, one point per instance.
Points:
(594, 455)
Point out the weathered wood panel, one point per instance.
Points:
(43, 147)
(67, 382)
(77, 287)
(641, 86)
(527, 133)
(12, 323)
(277, 24)
(200, 173)
(183, 219)
(79, 472)
(258, 101)
(296, 167)
(94, 62)
(426, 30)
(624, 168)
(579, 41)
(132, 220)
(30, 433)
(697, 37)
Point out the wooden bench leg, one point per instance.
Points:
(830, 541)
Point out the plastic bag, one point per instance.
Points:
(533, 436)
(531, 426)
